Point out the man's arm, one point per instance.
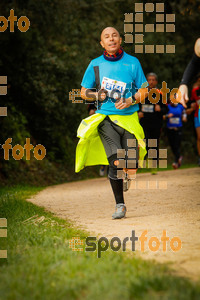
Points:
(139, 97)
(89, 81)
(89, 95)
(191, 70)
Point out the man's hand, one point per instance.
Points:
(167, 116)
(121, 104)
(102, 94)
(89, 95)
(183, 89)
(91, 112)
(157, 107)
(140, 114)
(193, 105)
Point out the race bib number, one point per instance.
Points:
(114, 88)
(174, 120)
(148, 108)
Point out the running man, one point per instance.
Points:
(195, 97)
(151, 116)
(175, 116)
(190, 72)
(114, 129)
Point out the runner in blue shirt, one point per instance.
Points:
(118, 76)
(175, 116)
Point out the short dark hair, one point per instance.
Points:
(152, 74)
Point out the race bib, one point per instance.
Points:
(148, 108)
(174, 120)
(111, 85)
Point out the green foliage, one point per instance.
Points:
(45, 63)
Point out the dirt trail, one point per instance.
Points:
(90, 204)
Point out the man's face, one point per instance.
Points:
(152, 81)
(110, 40)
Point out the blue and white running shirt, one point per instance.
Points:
(176, 120)
(125, 75)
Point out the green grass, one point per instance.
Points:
(40, 264)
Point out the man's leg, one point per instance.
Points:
(130, 144)
(177, 144)
(179, 138)
(170, 134)
(112, 142)
(172, 137)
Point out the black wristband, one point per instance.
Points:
(133, 100)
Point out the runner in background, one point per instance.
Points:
(175, 116)
(195, 98)
(197, 82)
(151, 116)
(190, 72)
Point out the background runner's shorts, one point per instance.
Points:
(196, 122)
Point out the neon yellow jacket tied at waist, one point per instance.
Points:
(90, 150)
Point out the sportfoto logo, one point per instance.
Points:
(23, 22)
(102, 244)
(153, 95)
(18, 151)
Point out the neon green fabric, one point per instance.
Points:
(90, 150)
